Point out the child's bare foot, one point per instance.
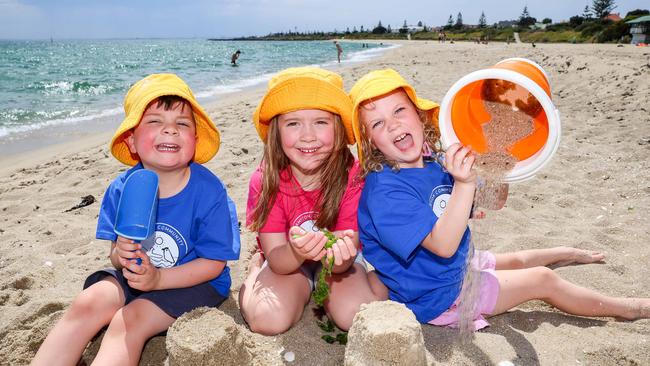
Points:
(581, 256)
(638, 309)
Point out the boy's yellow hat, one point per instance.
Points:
(304, 88)
(378, 83)
(144, 92)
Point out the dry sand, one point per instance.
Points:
(595, 194)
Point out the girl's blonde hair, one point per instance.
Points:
(373, 160)
(333, 177)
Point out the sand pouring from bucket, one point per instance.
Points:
(516, 88)
(138, 206)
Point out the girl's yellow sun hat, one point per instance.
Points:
(304, 88)
(378, 83)
(144, 92)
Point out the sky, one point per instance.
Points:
(60, 19)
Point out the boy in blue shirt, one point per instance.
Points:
(184, 265)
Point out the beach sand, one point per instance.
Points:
(594, 194)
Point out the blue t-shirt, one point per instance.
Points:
(198, 222)
(397, 210)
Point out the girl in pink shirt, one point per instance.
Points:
(307, 181)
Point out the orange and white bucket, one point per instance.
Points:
(463, 112)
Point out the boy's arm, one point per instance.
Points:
(146, 277)
(189, 274)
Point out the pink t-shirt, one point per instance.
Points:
(296, 207)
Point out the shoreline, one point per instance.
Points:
(594, 194)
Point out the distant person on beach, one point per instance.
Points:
(413, 220)
(339, 50)
(305, 183)
(165, 130)
(234, 57)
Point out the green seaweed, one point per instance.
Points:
(322, 288)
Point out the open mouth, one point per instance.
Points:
(403, 141)
(167, 147)
(400, 138)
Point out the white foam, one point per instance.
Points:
(370, 53)
(235, 86)
(362, 56)
(7, 131)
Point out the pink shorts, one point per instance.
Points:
(488, 294)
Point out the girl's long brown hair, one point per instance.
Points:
(333, 177)
(374, 160)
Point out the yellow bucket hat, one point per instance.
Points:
(144, 92)
(378, 83)
(304, 88)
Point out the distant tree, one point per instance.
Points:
(347, 31)
(459, 21)
(389, 29)
(547, 21)
(404, 28)
(525, 20)
(637, 13)
(481, 21)
(379, 29)
(419, 23)
(602, 8)
(354, 29)
(362, 29)
(450, 22)
(586, 14)
(576, 20)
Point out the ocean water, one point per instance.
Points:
(49, 84)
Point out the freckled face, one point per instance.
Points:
(394, 127)
(307, 138)
(164, 139)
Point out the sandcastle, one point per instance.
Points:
(385, 333)
(206, 336)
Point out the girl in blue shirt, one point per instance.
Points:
(413, 219)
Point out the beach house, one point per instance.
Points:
(640, 30)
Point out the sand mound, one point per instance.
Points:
(385, 333)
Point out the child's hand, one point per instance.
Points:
(459, 161)
(126, 251)
(307, 245)
(343, 250)
(143, 277)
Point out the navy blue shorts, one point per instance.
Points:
(175, 302)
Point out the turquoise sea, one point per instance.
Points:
(56, 83)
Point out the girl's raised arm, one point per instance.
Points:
(448, 231)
